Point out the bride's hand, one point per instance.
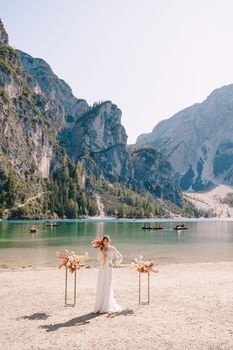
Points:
(112, 265)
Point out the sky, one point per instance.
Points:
(150, 57)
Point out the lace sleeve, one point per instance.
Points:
(118, 256)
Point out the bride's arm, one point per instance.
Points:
(119, 257)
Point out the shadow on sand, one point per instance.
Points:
(83, 320)
(36, 316)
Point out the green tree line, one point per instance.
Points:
(68, 197)
(123, 201)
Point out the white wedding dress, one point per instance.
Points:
(105, 301)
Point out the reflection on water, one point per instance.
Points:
(203, 241)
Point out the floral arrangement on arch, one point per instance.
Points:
(98, 242)
(146, 266)
(72, 261)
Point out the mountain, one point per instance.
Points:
(99, 134)
(26, 133)
(3, 36)
(53, 88)
(198, 141)
(58, 154)
(155, 174)
(84, 130)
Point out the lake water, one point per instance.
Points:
(204, 241)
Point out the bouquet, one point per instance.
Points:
(147, 266)
(98, 242)
(72, 261)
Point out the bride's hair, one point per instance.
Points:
(105, 249)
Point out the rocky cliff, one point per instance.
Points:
(198, 141)
(99, 134)
(84, 130)
(26, 139)
(3, 36)
(54, 89)
(155, 174)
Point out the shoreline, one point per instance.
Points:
(94, 266)
(115, 219)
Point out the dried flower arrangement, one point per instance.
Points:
(72, 261)
(147, 266)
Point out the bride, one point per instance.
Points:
(105, 301)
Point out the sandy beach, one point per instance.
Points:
(191, 308)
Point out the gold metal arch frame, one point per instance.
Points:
(148, 291)
(74, 293)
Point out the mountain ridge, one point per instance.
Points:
(198, 141)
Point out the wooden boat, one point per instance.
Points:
(158, 228)
(152, 228)
(181, 227)
(51, 224)
(34, 229)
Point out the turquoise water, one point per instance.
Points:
(204, 241)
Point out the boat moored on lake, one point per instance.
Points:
(159, 227)
(181, 227)
(34, 229)
(51, 224)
